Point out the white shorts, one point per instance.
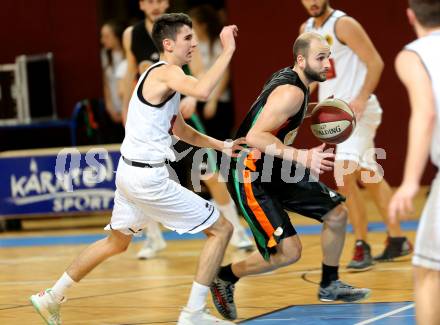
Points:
(427, 248)
(144, 193)
(359, 147)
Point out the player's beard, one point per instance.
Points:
(322, 11)
(313, 75)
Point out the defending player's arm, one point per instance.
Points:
(130, 76)
(351, 33)
(414, 76)
(175, 78)
(284, 102)
(188, 134)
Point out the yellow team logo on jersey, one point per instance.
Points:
(329, 39)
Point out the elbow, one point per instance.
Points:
(250, 139)
(202, 95)
(379, 64)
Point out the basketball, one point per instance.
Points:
(333, 121)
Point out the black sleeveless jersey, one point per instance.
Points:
(287, 132)
(142, 44)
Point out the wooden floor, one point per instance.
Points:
(124, 290)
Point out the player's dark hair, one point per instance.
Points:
(167, 26)
(426, 11)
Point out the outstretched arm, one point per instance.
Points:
(188, 134)
(414, 76)
(130, 75)
(201, 88)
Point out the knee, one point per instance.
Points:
(337, 218)
(287, 257)
(116, 245)
(222, 229)
(293, 255)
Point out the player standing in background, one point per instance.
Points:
(355, 71)
(418, 67)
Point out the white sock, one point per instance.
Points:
(197, 297)
(230, 212)
(64, 283)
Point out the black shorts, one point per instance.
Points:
(264, 204)
(200, 160)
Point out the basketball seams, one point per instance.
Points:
(333, 121)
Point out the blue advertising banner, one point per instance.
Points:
(65, 182)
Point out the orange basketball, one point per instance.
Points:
(333, 121)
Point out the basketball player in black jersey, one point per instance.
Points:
(262, 188)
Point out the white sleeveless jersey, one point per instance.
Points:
(347, 72)
(148, 127)
(428, 48)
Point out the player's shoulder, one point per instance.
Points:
(302, 28)
(127, 35)
(128, 31)
(169, 71)
(347, 23)
(288, 93)
(406, 57)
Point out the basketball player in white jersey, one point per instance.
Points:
(144, 189)
(418, 67)
(355, 71)
(141, 53)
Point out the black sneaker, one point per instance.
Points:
(338, 290)
(223, 296)
(395, 247)
(362, 260)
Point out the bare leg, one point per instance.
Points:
(333, 235)
(354, 202)
(213, 252)
(427, 296)
(96, 253)
(218, 189)
(288, 252)
(381, 193)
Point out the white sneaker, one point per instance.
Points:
(151, 247)
(199, 317)
(240, 240)
(47, 306)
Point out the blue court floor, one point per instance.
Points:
(78, 239)
(384, 313)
